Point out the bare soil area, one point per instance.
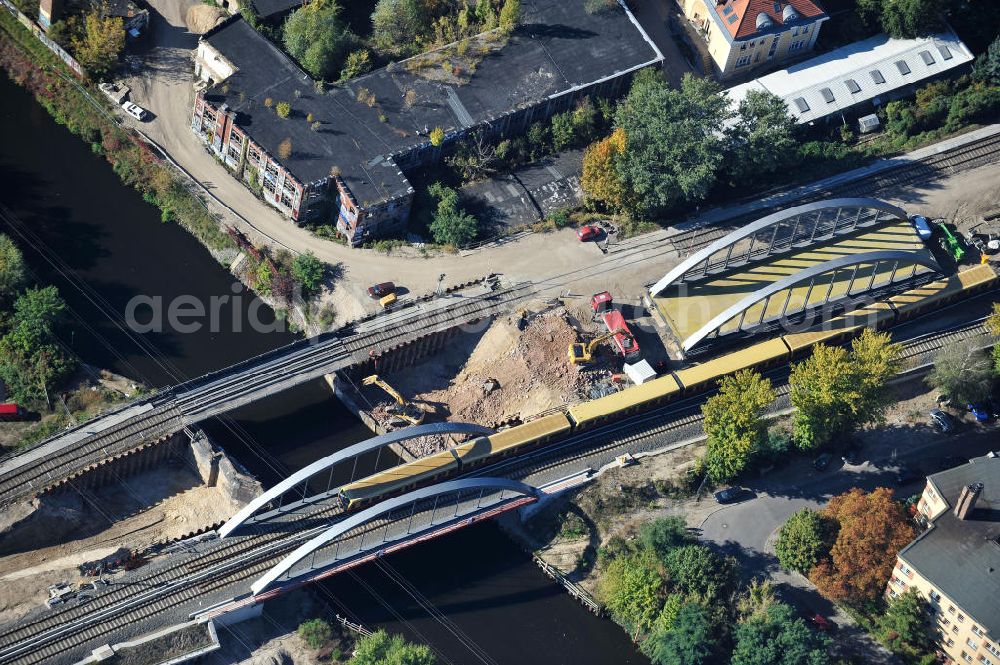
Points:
(515, 369)
(45, 541)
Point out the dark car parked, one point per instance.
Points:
(942, 420)
(728, 495)
(822, 461)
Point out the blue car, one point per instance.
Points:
(980, 412)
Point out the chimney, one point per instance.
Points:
(967, 500)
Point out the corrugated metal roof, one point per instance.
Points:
(857, 73)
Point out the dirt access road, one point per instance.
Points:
(554, 260)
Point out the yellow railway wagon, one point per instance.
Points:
(704, 376)
(877, 315)
(943, 291)
(630, 400)
(420, 471)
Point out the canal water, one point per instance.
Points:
(468, 594)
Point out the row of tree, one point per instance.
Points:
(33, 359)
(833, 391)
(683, 602)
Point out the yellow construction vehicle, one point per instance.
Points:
(402, 409)
(584, 353)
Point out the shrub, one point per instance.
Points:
(284, 109)
(316, 633)
(437, 136)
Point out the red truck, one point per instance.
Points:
(624, 342)
(11, 411)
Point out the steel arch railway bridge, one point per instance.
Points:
(826, 257)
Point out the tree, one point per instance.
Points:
(31, 359)
(102, 41)
(13, 273)
(316, 633)
(876, 360)
(600, 181)
(904, 626)
(630, 589)
(357, 63)
(825, 396)
(962, 371)
(902, 18)
(283, 109)
(756, 600)
(674, 142)
(733, 423)
(804, 539)
(689, 641)
(762, 137)
(381, 649)
(993, 325)
(437, 136)
(663, 535)
(778, 637)
(318, 38)
(451, 224)
(872, 529)
(695, 569)
(308, 271)
(510, 15)
(397, 26)
(987, 68)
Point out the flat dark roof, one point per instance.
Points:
(267, 8)
(558, 47)
(962, 557)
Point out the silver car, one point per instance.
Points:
(923, 227)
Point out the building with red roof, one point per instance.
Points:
(743, 35)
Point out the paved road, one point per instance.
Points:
(747, 529)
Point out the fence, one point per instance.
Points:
(44, 39)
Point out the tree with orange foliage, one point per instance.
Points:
(600, 182)
(873, 528)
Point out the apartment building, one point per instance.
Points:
(339, 155)
(744, 35)
(955, 562)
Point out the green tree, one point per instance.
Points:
(437, 136)
(283, 109)
(733, 423)
(987, 68)
(963, 371)
(13, 274)
(317, 37)
(803, 540)
(31, 358)
(563, 131)
(630, 589)
(904, 626)
(316, 633)
(398, 26)
(778, 637)
(756, 600)
(308, 271)
(510, 15)
(101, 42)
(826, 396)
(674, 142)
(381, 649)
(902, 18)
(762, 138)
(876, 361)
(357, 63)
(689, 641)
(451, 224)
(663, 535)
(697, 570)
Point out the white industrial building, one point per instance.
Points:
(861, 75)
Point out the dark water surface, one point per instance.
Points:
(109, 246)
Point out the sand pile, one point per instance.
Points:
(202, 18)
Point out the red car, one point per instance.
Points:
(379, 291)
(588, 232)
(820, 623)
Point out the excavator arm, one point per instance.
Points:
(411, 413)
(584, 353)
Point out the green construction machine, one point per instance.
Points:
(950, 242)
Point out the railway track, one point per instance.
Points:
(197, 401)
(970, 156)
(229, 563)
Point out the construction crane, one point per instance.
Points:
(583, 353)
(402, 409)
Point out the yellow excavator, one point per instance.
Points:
(402, 409)
(584, 353)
